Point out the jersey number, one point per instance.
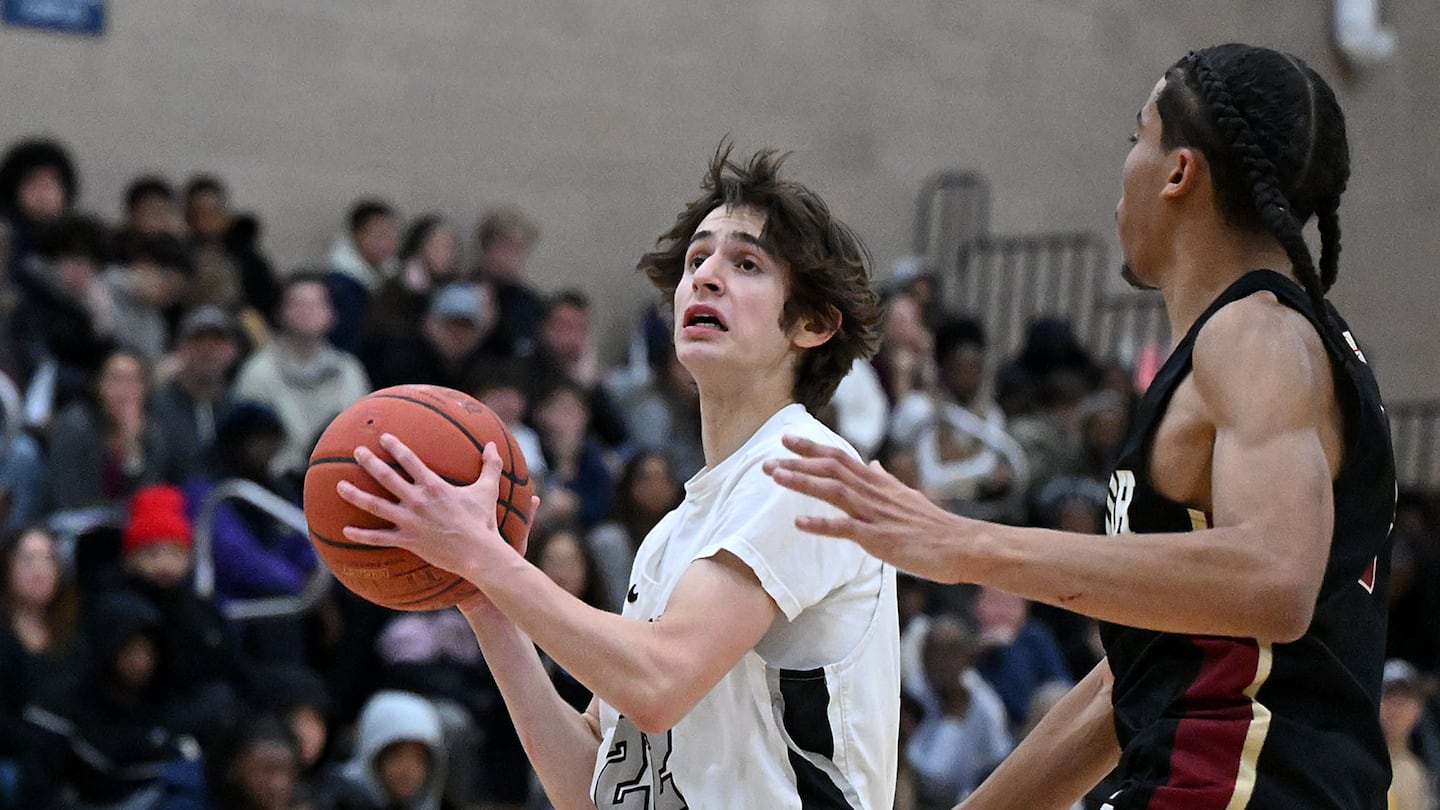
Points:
(1117, 511)
(636, 775)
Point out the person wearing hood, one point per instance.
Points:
(360, 261)
(399, 760)
(38, 184)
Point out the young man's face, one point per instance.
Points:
(208, 216)
(163, 564)
(729, 302)
(154, 215)
(1144, 174)
(41, 195)
(378, 240)
(506, 255)
(307, 312)
(266, 772)
(403, 769)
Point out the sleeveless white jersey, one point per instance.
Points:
(808, 718)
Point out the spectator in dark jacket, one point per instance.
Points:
(38, 185)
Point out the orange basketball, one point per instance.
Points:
(448, 430)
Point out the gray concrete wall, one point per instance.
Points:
(597, 116)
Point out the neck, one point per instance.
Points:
(1203, 263)
(730, 417)
(201, 387)
(304, 348)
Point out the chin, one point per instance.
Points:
(1128, 273)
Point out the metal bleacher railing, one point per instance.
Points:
(71, 526)
(1415, 433)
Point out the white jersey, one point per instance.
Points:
(807, 719)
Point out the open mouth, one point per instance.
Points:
(704, 317)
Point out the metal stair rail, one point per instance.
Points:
(1415, 435)
(951, 210)
(268, 607)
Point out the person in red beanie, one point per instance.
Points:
(201, 668)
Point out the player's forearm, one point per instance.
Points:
(1225, 581)
(560, 742)
(618, 659)
(1068, 753)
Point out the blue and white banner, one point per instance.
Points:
(69, 16)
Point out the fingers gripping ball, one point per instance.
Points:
(448, 430)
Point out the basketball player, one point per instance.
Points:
(754, 665)
(1241, 587)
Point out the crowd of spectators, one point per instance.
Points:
(146, 361)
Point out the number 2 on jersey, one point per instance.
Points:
(637, 775)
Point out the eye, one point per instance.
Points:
(749, 266)
(694, 262)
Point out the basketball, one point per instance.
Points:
(448, 430)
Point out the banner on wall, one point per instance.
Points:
(68, 16)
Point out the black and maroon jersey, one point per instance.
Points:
(1209, 722)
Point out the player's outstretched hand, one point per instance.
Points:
(888, 519)
(449, 526)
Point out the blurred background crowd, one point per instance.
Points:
(168, 640)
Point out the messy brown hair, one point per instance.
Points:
(829, 280)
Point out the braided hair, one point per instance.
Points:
(1274, 135)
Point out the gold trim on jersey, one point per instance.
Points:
(1255, 734)
(1198, 520)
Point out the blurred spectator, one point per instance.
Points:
(577, 482)
(1402, 704)
(115, 745)
(232, 271)
(1018, 655)
(648, 489)
(305, 379)
(38, 185)
(964, 733)
(501, 385)
(1070, 504)
(965, 458)
(662, 414)
(200, 668)
(504, 240)
(22, 465)
(399, 757)
(860, 410)
(904, 360)
(567, 352)
(65, 319)
(207, 345)
(39, 654)
(1414, 633)
(1045, 386)
(448, 348)
(147, 285)
(103, 448)
(298, 697)
(914, 276)
(255, 766)
(360, 262)
(429, 259)
(1104, 423)
(150, 208)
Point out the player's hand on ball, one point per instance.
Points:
(888, 519)
(449, 526)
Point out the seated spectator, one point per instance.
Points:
(149, 283)
(298, 697)
(399, 758)
(1414, 634)
(964, 732)
(449, 347)
(429, 260)
(39, 654)
(231, 270)
(38, 185)
(65, 316)
(1018, 655)
(150, 208)
(501, 385)
(648, 489)
(662, 414)
(1104, 424)
(904, 359)
(360, 262)
(197, 390)
(113, 742)
(200, 668)
(578, 486)
(105, 447)
(305, 379)
(965, 458)
(255, 766)
(504, 240)
(860, 409)
(567, 352)
(1402, 704)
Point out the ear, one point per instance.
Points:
(1189, 171)
(814, 330)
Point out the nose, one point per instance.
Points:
(707, 275)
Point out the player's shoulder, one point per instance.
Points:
(1259, 335)
(795, 420)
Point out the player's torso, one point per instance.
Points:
(1223, 714)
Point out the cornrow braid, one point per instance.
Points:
(1260, 175)
(1327, 214)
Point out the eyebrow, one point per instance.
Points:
(739, 235)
